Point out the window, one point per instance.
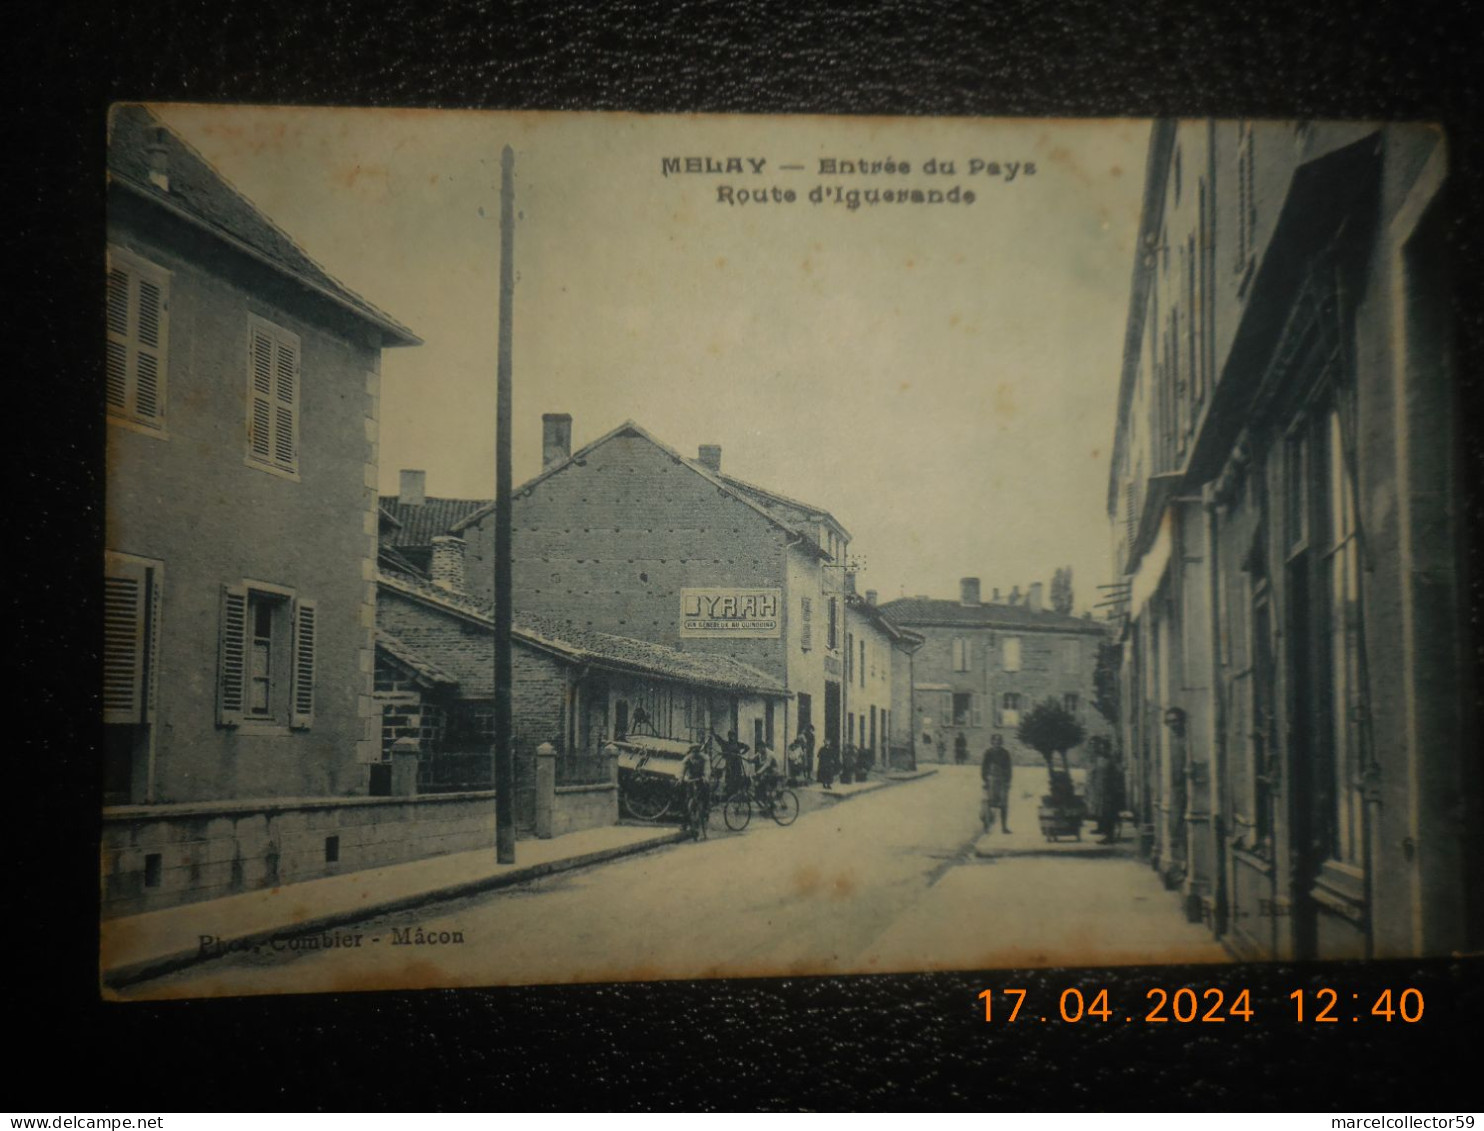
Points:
(1246, 199)
(849, 655)
(863, 662)
(1012, 653)
(1010, 711)
(1071, 657)
(267, 658)
(272, 398)
(138, 327)
(962, 654)
(832, 637)
(963, 709)
(806, 624)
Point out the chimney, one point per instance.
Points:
(709, 456)
(448, 563)
(414, 489)
(968, 591)
(556, 437)
(1033, 597)
(159, 162)
(850, 582)
(1015, 596)
(996, 597)
(870, 596)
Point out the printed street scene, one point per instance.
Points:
(552, 548)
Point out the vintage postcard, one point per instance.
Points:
(930, 544)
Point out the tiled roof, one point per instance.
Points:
(390, 558)
(770, 498)
(628, 427)
(886, 623)
(412, 658)
(928, 612)
(623, 651)
(200, 193)
(421, 524)
(601, 648)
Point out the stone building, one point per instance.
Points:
(629, 537)
(984, 664)
(242, 387)
(1285, 515)
(878, 654)
(575, 689)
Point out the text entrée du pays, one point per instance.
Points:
(871, 175)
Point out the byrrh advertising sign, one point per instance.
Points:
(746, 613)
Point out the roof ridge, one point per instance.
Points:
(631, 425)
(153, 120)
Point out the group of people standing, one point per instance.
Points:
(829, 764)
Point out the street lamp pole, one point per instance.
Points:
(504, 754)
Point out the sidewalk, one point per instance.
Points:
(1026, 839)
(842, 792)
(137, 947)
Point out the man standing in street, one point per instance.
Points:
(995, 772)
(1105, 791)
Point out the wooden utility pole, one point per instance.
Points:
(504, 754)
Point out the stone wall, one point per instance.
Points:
(578, 807)
(160, 856)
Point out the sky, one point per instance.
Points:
(940, 377)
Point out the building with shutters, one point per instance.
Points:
(985, 663)
(242, 386)
(1285, 510)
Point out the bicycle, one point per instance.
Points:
(696, 811)
(778, 802)
(736, 806)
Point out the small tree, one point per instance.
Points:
(1051, 729)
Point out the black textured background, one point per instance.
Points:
(800, 1043)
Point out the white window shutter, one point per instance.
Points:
(286, 403)
(1012, 653)
(305, 625)
(118, 339)
(273, 395)
(149, 351)
(260, 394)
(978, 709)
(124, 599)
(233, 662)
(138, 301)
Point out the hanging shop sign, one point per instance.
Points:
(731, 613)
